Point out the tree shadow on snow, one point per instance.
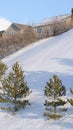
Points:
(64, 61)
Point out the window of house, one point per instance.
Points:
(39, 30)
(11, 33)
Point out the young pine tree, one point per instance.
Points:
(3, 69)
(71, 100)
(53, 91)
(15, 87)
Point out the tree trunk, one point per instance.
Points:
(15, 108)
(54, 109)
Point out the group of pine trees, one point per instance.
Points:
(14, 89)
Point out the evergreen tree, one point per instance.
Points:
(14, 87)
(3, 68)
(54, 90)
(71, 100)
(72, 11)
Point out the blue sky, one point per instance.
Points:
(33, 11)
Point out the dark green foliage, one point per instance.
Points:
(3, 68)
(3, 100)
(72, 11)
(58, 102)
(63, 109)
(53, 90)
(6, 108)
(71, 91)
(71, 100)
(54, 116)
(14, 86)
(21, 104)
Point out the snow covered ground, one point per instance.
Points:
(40, 61)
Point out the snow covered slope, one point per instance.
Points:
(40, 61)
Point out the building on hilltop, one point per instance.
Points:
(49, 27)
(14, 28)
(54, 26)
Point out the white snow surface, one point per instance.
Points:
(40, 61)
(4, 24)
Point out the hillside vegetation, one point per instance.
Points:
(11, 44)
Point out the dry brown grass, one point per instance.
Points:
(9, 45)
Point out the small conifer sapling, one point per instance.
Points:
(53, 91)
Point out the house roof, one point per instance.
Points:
(55, 19)
(17, 26)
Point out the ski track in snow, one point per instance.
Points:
(40, 61)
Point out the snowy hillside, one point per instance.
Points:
(40, 61)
